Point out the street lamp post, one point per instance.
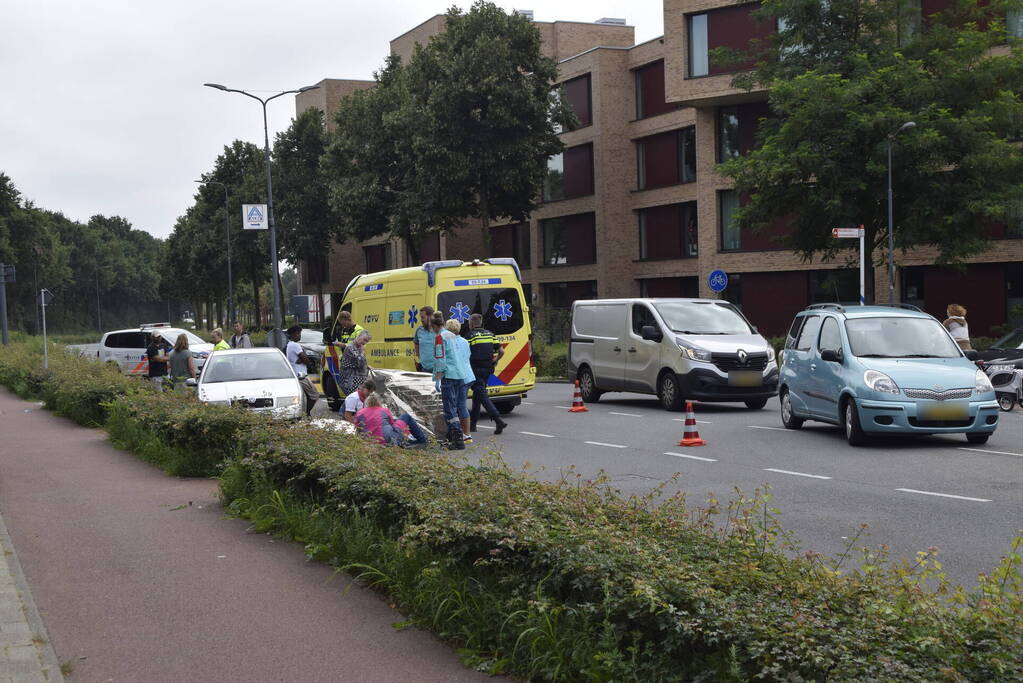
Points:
(227, 232)
(891, 227)
(277, 335)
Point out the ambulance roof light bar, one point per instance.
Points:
(431, 268)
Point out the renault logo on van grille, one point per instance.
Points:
(743, 356)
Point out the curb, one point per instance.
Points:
(50, 665)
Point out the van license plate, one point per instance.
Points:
(745, 378)
(955, 410)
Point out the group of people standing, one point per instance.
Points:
(172, 364)
(458, 364)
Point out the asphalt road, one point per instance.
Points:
(914, 493)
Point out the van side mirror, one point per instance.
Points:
(651, 333)
(833, 355)
(190, 382)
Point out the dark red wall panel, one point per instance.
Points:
(771, 300)
(734, 27)
(980, 288)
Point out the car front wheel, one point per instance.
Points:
(853, 431)
(668, 392)
(788, 418)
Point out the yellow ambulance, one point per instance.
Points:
(387, 304)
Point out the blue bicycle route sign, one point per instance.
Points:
(718, 280)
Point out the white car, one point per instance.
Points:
(127, 348)
(259, 379)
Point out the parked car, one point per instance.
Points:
(312, 343)
(260, 379)
(1003, 363)
(127, 348)
(700, 349)
(878, 370)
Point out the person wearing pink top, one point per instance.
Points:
(376, 420)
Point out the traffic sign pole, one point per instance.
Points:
(859, 232)
(6, 274)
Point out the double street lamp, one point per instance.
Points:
(227, 233)
(891, 227)
(277, 335)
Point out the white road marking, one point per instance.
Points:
(796, 474)
(546, 436)
(564, 407)
(773, 429)
(699, 422)
(981, 450)
(485, 427)
(528, 403)
(601, 443)
(946, 495)
(625, 414)
(691, 457)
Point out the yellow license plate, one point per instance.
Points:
(955, 410)
(745, 378)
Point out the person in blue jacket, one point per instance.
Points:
(453, 373)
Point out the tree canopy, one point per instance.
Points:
(841, 78)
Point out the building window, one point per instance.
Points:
(728, 204)
(666, 159)
(686, 287)
(699, 61)
(429, 250)
(562, 294)
(835, 286)
(317, 270)
(511, 241)
(578, 96)
(668, 232)
(569, 174)
(650, 91)
(378, 257)
(728, 133)
(569, 240)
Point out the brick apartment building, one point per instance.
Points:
(634, 207)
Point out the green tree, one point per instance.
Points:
(305, 221)
(841, 78)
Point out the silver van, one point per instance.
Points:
(678, 349)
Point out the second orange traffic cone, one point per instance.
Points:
(691, 437)
(577, 401)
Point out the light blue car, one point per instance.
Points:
(878, 370)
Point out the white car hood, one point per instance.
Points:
(725, 343)
(265, 388)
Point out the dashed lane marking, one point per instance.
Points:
(564, 407)
(946, 495)
(981, 450)
(691, 457)
(773, 429)
(546, 436)
(485, 427)
(625, 414)
(608, 445)
(699, 422)
(528, 403)
(796, 474)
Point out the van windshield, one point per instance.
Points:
(500, 307)
(695, 317)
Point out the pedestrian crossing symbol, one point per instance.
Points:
(254, 217)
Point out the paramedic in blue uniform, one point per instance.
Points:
(484, 352)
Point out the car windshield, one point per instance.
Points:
(241, 367)
(1013, 340)
(895, 337)
(694, 317)
(171, 335)
(311, 336)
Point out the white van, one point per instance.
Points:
(678, 349)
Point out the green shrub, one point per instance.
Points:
(551, 360)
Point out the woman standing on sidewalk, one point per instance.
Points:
(182, 366)
(452, 370)
(957, 326)
(354, 366)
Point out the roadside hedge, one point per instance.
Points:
(571, 581)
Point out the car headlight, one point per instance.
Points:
(880, 382)
(770, 354)
(981, 383)
(286, 401)
(692, 352)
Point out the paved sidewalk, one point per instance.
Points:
(26, 655)
(140, 577)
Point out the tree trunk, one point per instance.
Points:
(319, 301)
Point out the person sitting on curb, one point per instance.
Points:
(356, 400)
(376, 420)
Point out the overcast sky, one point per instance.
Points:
(102, 108)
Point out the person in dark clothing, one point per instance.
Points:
(156, 354)
(484, 352)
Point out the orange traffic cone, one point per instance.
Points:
(577, 401)
(691, 437)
